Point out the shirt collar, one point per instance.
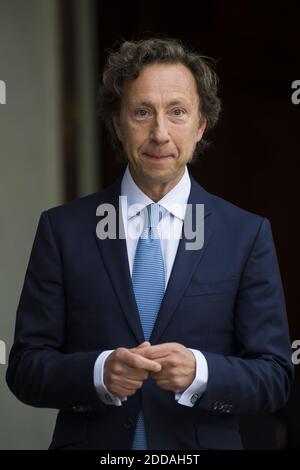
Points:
(174, 201)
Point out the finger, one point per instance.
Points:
(143, 345)
(128, 384)
(162, 375)
(136, 374)
(126, 391)
(132, 383)
(143, 351)
(139, 362)
(159, 351)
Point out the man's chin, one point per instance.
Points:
(158, 176)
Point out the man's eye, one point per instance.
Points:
(178, 112)
(141, 113)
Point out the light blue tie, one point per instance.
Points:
(148, 279)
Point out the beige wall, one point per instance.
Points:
(30, 179)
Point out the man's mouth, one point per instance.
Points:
(157, 157)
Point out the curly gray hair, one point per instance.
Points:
(126, 64)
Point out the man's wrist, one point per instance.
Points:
(104, 394)
(189, 396)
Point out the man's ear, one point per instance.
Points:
(201, 129)
(117, 127)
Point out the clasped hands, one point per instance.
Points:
(171, 365)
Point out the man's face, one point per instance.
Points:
(159, 123)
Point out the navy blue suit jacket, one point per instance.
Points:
(225, 300)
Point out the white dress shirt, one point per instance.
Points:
(134, 202)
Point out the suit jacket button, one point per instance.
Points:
(128, 424)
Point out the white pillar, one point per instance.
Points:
(30, 178)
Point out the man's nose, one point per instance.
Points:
(159, 131)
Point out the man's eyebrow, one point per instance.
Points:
(142, 103)
(178, 101)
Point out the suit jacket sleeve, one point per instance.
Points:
(40, 373)
(260, 376)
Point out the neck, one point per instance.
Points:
(155, 190)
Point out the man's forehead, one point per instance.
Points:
(165, 77)
(171, 83)
(148, 99)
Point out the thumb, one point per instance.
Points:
(143, 345)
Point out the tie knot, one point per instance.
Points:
(155, 213)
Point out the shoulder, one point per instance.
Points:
(78, 217)
(227, 215)
(233, 212)
(84, 208)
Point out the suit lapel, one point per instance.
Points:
(115, 258)
(184, 265)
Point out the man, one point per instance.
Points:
(140, 342)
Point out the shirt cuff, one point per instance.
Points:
(101, 389)
(199, 385)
